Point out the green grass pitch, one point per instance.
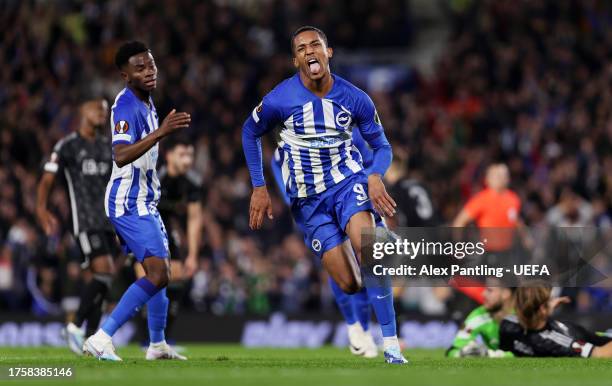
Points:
(235, 365)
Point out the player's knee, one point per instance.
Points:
(350, 284)
(102, 265)
(159, 277)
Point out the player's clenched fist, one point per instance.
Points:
(260, 206)
(174, 121)
(383, 203)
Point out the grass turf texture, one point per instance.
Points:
(235, 365)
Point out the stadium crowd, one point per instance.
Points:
(528, 85)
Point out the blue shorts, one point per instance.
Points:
(322, 218)
(143, 236)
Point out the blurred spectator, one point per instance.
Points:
(526, 83)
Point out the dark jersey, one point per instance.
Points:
(176, 193)
(86, 166)
(556, 339)
(414, 206)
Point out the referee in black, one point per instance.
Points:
(83, 160)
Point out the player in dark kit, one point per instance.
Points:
(181, 209)
(83, 159)
(414, 203)
(533, 333)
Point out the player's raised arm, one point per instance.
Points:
(127, 152)
(263, 118)
(372, 131)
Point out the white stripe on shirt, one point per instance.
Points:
(317, 169)
(350, 162)
(335, 156)
(122, 192)
(299, 172)
(142, 193)
(328, 117)
(308, 119)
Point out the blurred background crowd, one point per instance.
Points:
(528, 83)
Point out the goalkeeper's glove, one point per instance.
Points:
(473, 349)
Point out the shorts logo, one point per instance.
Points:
(121, 127)
(316, 245)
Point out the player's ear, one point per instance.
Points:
(125, 77)
(330, 52)
(295, 62)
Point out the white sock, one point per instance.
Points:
(101, 336)
(72, 326)
(390, 342)
(355, 327)
(157, 344)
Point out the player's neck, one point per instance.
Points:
(141, 94)
(541, 324)
(319, 87)
(498, 190)
(172, 172)
(502, 313)
(87, 131)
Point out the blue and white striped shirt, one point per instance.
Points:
(133, 189)
(316, 134)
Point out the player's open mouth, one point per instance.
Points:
(314, 66)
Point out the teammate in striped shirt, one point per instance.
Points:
(332, 196)
(131, 201)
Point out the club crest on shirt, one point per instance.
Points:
(121, 127)
(343, 118)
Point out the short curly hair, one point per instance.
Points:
(127, 50)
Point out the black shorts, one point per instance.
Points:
(97, 243)
(174, 246)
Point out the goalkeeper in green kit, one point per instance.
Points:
(484, 322)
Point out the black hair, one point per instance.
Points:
(177, 140)
(127, 50)
(307, 28)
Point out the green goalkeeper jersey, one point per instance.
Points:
(478, 323)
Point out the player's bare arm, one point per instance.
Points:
(260, 206)
(194, 231)
(46, 219)
(125, 154)
(462, 219)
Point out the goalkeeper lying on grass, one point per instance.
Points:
(532, 332)
(484, 322)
